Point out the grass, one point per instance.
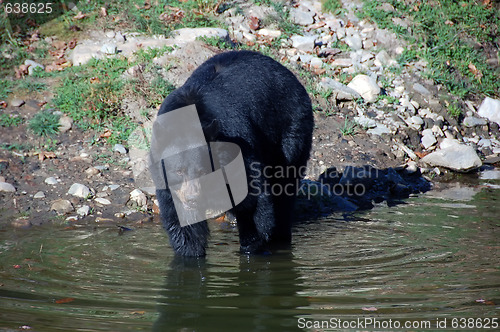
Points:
(453, 37)
(349, 128)
(454, 111)
(332, 6)
(44, 123)
(7, 120)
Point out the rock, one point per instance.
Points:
(421, 89)
(119, 37)
(51, 180)
(382, 59)
(453, 155)
(16, 102)
(379, 130)
(7, 187)
(109, 49)
(365, 122)
(190, 34)
(110, 34)
(62, 206)
(102, 201)
(339, 90)
(490, 109)
(316, 62)
(417, 120)
(472, 121)
(120, 148)
(341, 63)
(269, 33)
(65, 123)
(113, 187)
(39, 194)
(411, 167)
(83, 211)
(366, 87)
(32, 65)
(91, 171)
(301, 16)
(428, 138)
(79, 190)
(354, 42)
(303, 43)
(484, 143)
(305, 58)
(139, 198)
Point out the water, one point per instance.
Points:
(432, 259)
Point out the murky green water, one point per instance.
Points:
(430, 259)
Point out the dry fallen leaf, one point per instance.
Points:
(421, 154)
(94, 80)
(42, 155)
(448, 22)
(254, 23)
(42, 103)
(21, 71)
(107, 133)
(477, 73)
(104, 12)
(3, 104)
(65, 300)
(72, 44)
(79, 16)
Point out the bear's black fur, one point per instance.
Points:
(249, 99)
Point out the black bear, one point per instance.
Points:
(251, 100)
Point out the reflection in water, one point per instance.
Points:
(259, 294)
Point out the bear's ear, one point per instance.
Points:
(211, 130)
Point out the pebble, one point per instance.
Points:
(354, 42)
(79, 190)
(39, 194)
(301, 17)
(113, 187)
(490, 109)
(83, 210)
(7, 187)
(120, 148)
(65, 123)
(138, 197)
(91, 171)
(269, 33)
(428, 138)
(109, 49)
(472, 121)
(51, 180)
(303, 43)
(102, 201)
(16, 102)
(421, 89)
(32, 65)
(379, 130)
(62, 206)
(366, 87)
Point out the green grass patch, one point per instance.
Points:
(455, 38)
(44, 123)
(349, 128)
(7, 120)
(332, 6)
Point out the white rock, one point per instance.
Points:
(305, 58)
(269, 33)
(354, 42)
(110, 34)
(7, 187)
(79, 190)
(39, 194)
(120, 148)
(366, 87)
(383, 59)
(339, 90)
(365, 122)
(316, 62)
(83, 211)
(91, 171)
(301, 16)
(453, 155)
(472, 121)
(32, 65)
(51, 180)
(428, 138)
(109, 49)
(190, 34)
(119, 37)
(303, 43)
(417, 120)
(490, 109)
(65, 123)
(114, 186)
(341, 62)
(139, 197)
(484, 143)
(421, 89)
(379, 130)
(102, 201)
(16, 102)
